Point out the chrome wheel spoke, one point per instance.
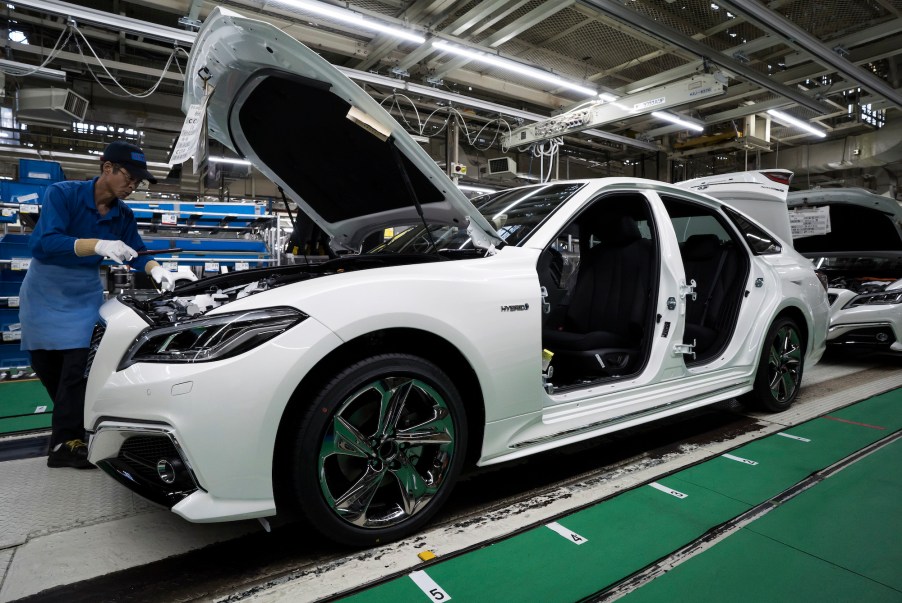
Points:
(789, 384)
(349, 441)
(413, 487)
(393, 401)
(353, 504)
(436, 430)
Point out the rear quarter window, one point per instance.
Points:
(759, 240)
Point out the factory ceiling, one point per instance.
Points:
(474, 68)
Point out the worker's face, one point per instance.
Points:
(122, 183)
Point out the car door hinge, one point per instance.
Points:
(546, 307)
(687, 349)
(689, 289)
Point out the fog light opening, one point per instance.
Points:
(168, 470)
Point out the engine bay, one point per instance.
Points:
(196, 298)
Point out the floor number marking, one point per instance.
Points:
(428, 586)
(568, 534)
(739, 459)
(792, 437)
(667, 490)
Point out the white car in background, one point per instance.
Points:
(353, 391)
(854, 237)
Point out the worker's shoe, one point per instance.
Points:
(73, 453)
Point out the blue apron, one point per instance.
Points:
(59, 305)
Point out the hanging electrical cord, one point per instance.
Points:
(420, 127)
(539, 150)
(145, 94)
(57, 48)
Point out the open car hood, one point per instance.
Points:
(326, 142)
(845, 221)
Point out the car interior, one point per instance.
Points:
(711, 258)
(599, 278)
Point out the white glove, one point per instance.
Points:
(117, 251)
(163, 277)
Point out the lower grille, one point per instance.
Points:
(152, 466)
(871, 336)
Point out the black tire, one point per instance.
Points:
(379, 450)
(779, 376)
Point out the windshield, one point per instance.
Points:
(515, 214)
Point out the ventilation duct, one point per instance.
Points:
(502, 165)
(50, 106)
(872, 149)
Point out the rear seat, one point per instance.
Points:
(715, 267)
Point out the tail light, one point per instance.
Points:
(823, 279)
(779, 176)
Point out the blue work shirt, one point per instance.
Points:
(61, 295)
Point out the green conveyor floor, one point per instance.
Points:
(840, 540)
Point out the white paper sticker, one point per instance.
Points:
(211, 266)
(38, 410)
(809, 222)
(667, 490)
(13, 302)
(28, 208)
(739, 459)
(568, 534)
(39, 175)
(170, 219)
(186, 146)
(171, 266)
(19, 263)
(242, 265)
(12, 335)
(7, 212)
(792, 437)
(428, 586)
(26, 198)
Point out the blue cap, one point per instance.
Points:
(130, 157)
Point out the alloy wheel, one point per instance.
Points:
(386, 452)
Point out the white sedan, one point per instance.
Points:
(352, 392)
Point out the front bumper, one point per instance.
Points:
(212, 424)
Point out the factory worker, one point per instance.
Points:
(81, 224)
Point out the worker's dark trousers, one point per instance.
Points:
(63, 374)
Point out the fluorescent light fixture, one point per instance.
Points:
(797, 123)
(677, 120)
(232, 160)
(106, 19)
(475, 189)
(513, 66)
(467, 101)
(17, 69)
(353, 18)
(607, 97)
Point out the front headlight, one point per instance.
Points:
(874, 299)
(210, 338)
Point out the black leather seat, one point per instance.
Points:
(605, 324)
(714, 266)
